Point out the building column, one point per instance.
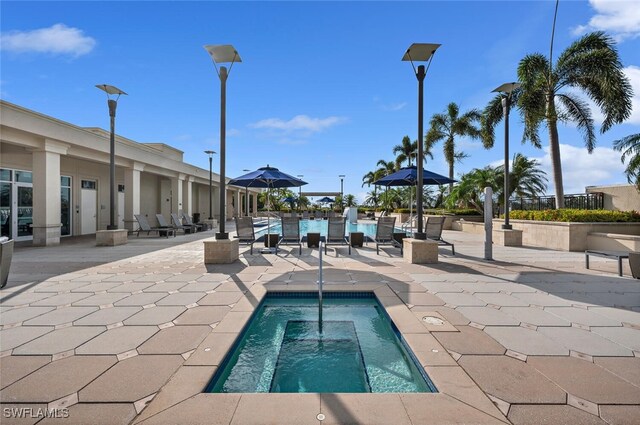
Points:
(46, 193)
(254, 202)
(187, 193)
(239, 204)
(176, 193)
(132, 195)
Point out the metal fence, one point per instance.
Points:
(580, 201)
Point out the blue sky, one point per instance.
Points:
(321, 90)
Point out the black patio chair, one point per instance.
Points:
(384, 233)
(291, 233)
(244, 231)
(336, 233)
(433, 229)
(144, 226)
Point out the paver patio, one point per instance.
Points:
(130, 334)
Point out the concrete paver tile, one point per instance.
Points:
(586, 380)
(185, 298)
(24, 298)
(452, 316)
(469, 341)
(551, 414)
(428, 350)
(97, 287)
(584, 341)
(21, 314)
(620, 415)
(202, 409)
(155, 315)
(59, 340)
(543, 299)
(488, 316)
(440, 409)
(627, 368)
(526, 341)
(212, 351)
(627, 337)
(13, 337)
(276, 408)
(118, 340)
(233, 322)
(517, 382)
(60, 316)
(461, 299)
(141, 299)
(154, 277)
(166, 286)
(502, 300)
(57, 379)
(420, 298)
(62, 299)
(221, 298)
(626, 316)
(455, 382)
(185, 383)
(175, 340)
(13, 368)
(343, 408)
(101, 299)
(130, 287)
(582, 316)
(107, 316)
(131, 379)
(20, 414)
(535, 316)
(200, 286)
(203, 315)
(95, 414)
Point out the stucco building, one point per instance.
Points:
(54, 179)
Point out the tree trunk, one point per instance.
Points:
(554, 152)
(451, 176)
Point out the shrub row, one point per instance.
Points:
(579, 216)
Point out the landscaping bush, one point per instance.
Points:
(579, 216)
(461, 211)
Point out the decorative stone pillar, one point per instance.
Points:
(187, 193)
(176, 194)
(254, 202)
(132, 195)
(46, 193)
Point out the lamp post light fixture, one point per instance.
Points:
(507, 89)
(222, 53)
(246, 197)
(113, 104)
(342, 176)
(300, 176)
(210, 153)
(422, 52)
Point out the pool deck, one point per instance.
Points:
(133, 333)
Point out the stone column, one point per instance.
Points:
(254, 202)
(176, 194)
(187, 193)
(239, 204)
(46, 193)
(132, 195)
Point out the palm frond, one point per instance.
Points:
(578, 112)
(491, 117)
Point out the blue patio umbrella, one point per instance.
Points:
(268, 178)
(408, 176)
(325, 200)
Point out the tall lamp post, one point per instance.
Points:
(421, 52)
(342, 176)
(222, 53)
(210, 153)
(113, 104)
(300, 176)
(507, 89)
(246, 197)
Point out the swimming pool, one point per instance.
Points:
(282, 349)
(321, 226)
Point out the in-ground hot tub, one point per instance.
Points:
(284, 348)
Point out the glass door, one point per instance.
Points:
(6, 227)
(24, 211)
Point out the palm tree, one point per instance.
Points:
(447, 127)
(525, 178)
(548, 94)
(630, 147)
(470, 188)
(350, 200)
(406, 151)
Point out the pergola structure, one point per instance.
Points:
(329, 194)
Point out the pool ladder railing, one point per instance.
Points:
(320, 288)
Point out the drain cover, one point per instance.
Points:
(433, 320)
(320, 417)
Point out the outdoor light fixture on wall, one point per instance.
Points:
(113, 104)
(223, 53)
(507, 89)
(420, 52)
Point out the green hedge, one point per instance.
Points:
(579, 216)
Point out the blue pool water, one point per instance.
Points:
(321, 226)
(282, 349)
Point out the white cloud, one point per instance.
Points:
(619, 18)
(57, 39)
(394, 106)
(233, 132)
(292, 142)
(581, 169)
(299, 123)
